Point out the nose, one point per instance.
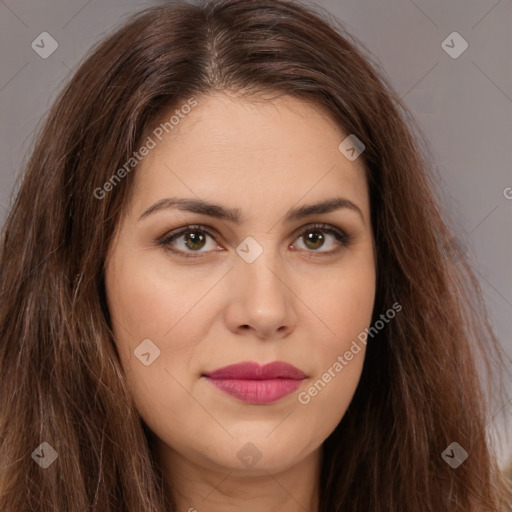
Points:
(262, 303)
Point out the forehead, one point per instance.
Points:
(250, 153)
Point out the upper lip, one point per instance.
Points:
(254, 371)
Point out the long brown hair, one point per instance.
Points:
(427, 377)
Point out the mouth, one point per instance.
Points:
(256, 384)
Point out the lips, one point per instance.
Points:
(253, 371)
(256, 384)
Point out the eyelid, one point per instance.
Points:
(342, 237)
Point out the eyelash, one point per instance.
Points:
(165, 241)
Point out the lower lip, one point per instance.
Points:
(257, 391)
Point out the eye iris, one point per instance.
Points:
(195, 238)
(314, 236)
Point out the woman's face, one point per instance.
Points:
(257, 285)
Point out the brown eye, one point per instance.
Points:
(314, 239)
(187, 241)
(194, 240)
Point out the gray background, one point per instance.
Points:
(463, 105)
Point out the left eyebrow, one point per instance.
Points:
(234, 215)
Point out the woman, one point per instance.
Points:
(227, 284)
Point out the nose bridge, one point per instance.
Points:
(261, 261)
(260, 281)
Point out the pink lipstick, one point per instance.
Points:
(257, 384)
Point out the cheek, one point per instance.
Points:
(343, 301)
(345, 309)
(146, 303)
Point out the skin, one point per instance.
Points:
(293, 303)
